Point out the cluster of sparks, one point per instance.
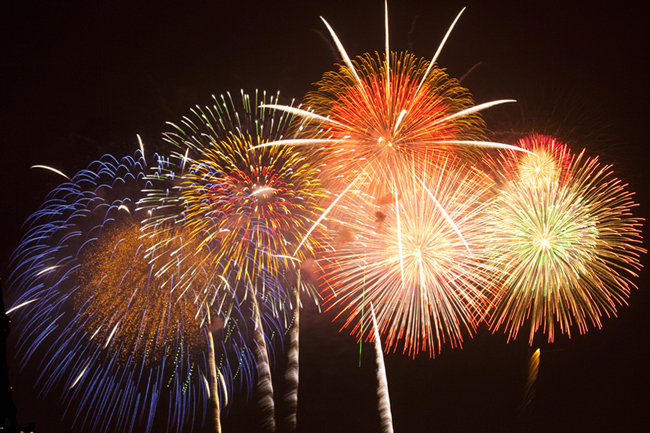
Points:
(139, 284)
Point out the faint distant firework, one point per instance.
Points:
(98, 302)
(562, 229)
(416, 254)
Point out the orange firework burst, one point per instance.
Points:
(389, 116)
(416, 255)
(373, 114)
(129, 302)
(562, 229)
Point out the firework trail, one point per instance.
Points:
(562, 229)
(117, 336)
(264, 384)
(382, 387)
(258, 205)
(214, 409)
(292, 374)
(531, 378)
(401, 253)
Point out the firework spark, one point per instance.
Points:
(562, 229)
(531, 379)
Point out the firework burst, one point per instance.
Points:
(101, 306)
(562, 229)
(390, 116)
(415, 254)
(374, 114)
(257, 204)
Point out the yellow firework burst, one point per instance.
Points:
(254, 207)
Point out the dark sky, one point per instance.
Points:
(82, 79)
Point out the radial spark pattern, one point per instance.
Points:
(567, 241)
(258, 205)
(383, 119)
(99, 304)
(416, 255)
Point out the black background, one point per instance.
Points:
(82, 79)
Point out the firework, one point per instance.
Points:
(563, 231)
(377, 113)
(548, 160)
(292, 375)
(116, 334)
(415, 254)
(257, 205)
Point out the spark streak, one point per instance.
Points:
(46, 167)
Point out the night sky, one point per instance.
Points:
(81, 80)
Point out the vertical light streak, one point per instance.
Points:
(141, 147)
(531, 379)
(214, 379)
(387, 57)
(399, 234)
(344, 55)
(399, 120)
(382, 385)
(265, 385)
(292, 374)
